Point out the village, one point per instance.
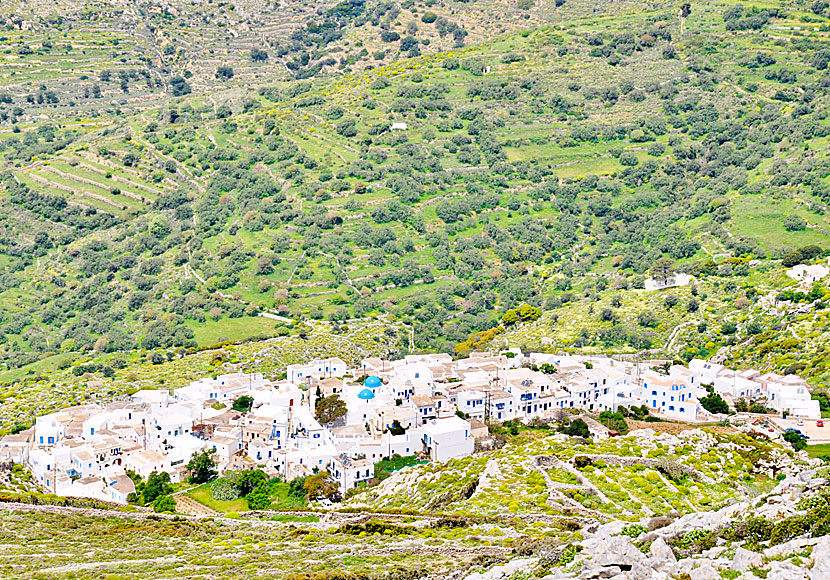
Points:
(427, 405)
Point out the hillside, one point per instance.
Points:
(541, 507)
(170, 173)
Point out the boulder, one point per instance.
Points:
(821, 560)
(660, 554)
(785, 571)
(745, 559)
(616, 551)
(787, 548)
(704, 572)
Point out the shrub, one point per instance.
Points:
(634, 530)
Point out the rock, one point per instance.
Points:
(821, 560)
(788, 548)
(785, 571)
(817, 483)
(616, 551)
(684, 566)
(713, 553)
(504, 570)
(745, 559)
(662, 553)
(704, 572)
(605, 572)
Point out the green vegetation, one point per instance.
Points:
(714, 403)
(154, 204)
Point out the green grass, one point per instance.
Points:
(202, 494)
(233, 329)
(818, 450)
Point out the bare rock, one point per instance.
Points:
(821, 560)
(745, 559)
(662, 553)
(785, 571)
(704, 572)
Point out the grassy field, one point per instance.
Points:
(203, 495)
(819, 450)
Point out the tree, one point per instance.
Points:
(670, 301)
(259, 498)
(179, 86)
(248, 480)
(397, 428)
(614, 421)
(510, 317)
(164, 504)
(158, 484)
(224, 72)
(577, 428)
(319, 485)
(796, 439)
(258, 55)
(794, 223)
(243, 404)
(647, 318)
(662, 269)
(329, 409)
(202, 467)
(714, 403)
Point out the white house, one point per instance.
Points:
(349, 473)
(316, 369)
(671, 281)
(445, 439)
(670, 396)
(705, 371)
(806, 275)
(790, 393)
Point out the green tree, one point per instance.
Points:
(510, 317)
(662, 269)
(202, 467)
(320, 485)
(248, 480)
(260, 497)
(577, 428)
(329, 409)
(243, 404)
(714, 403)
(614, 421)
(164, 504)
(796, 439)
(158, 484)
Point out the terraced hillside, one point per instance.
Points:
(536, 502)
(172, 170)
(646, 474)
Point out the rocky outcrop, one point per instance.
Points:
(661, 554)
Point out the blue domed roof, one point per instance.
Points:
(372, 382)
(365, 394)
